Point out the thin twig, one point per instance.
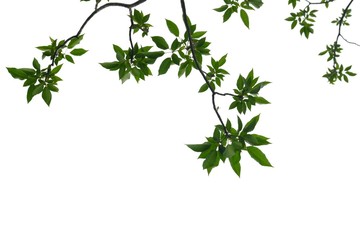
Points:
(353, 43)
(316, 3)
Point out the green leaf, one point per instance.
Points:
(172, 27)
(222, 60)
(221, 9)
(182, 69)
(44, 48)
(30, 95)
(199, 147)
(258, 156)
(240, 125)
(245, 18)
(256, 3)
(256, 140)
(56, 70)
(175, 45)
(112, 66)
(69, 58)
(30, 81)
(203, 88)
(227, 14)
(124, 76)
(75, 41)
(240, 82)
(138, 16)
(28, 71)
(249, 126)
(229, 151)
(233, 105)
(136, 73)
(36, 64)
(53, 88)
(17, 73)
(261, 100)
(198, 35)
(165, 65)
(160, 42)
(37, 89)
(211, 161)
(46, 95)
(351, 74)
(235, 163)
(228, 125)
(175, 59)
(257, 87)
(78, 52)
(188, 69)
(153, 55)
(118, 50)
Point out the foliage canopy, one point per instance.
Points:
(189, 52)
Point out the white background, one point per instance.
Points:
(109, 161)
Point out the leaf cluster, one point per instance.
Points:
(186, 51)
(133, 61)
(44, 80)
(215, 75)
(141, 22)
(182, 49)
(247, 93)
(38, 80)
(222, 147)
(233, 6)
(343, 19)
(305, 18)
(337, 71)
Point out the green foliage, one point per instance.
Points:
(221, 146)
(187, 51)
(293, 2)
(234, 6)
(141, 22)
(306, 18)
(160, 42)
(258, 156)
(38, 80)
(337, 71)
(134, 61)
(44, 80)
(173, 28)
(343, 19)
(247, 93)
(215, 75)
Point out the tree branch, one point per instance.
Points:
(198, 66)
(96, 11)
(339, 30)
(349, 42)
(318, 3)
(130, 36)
